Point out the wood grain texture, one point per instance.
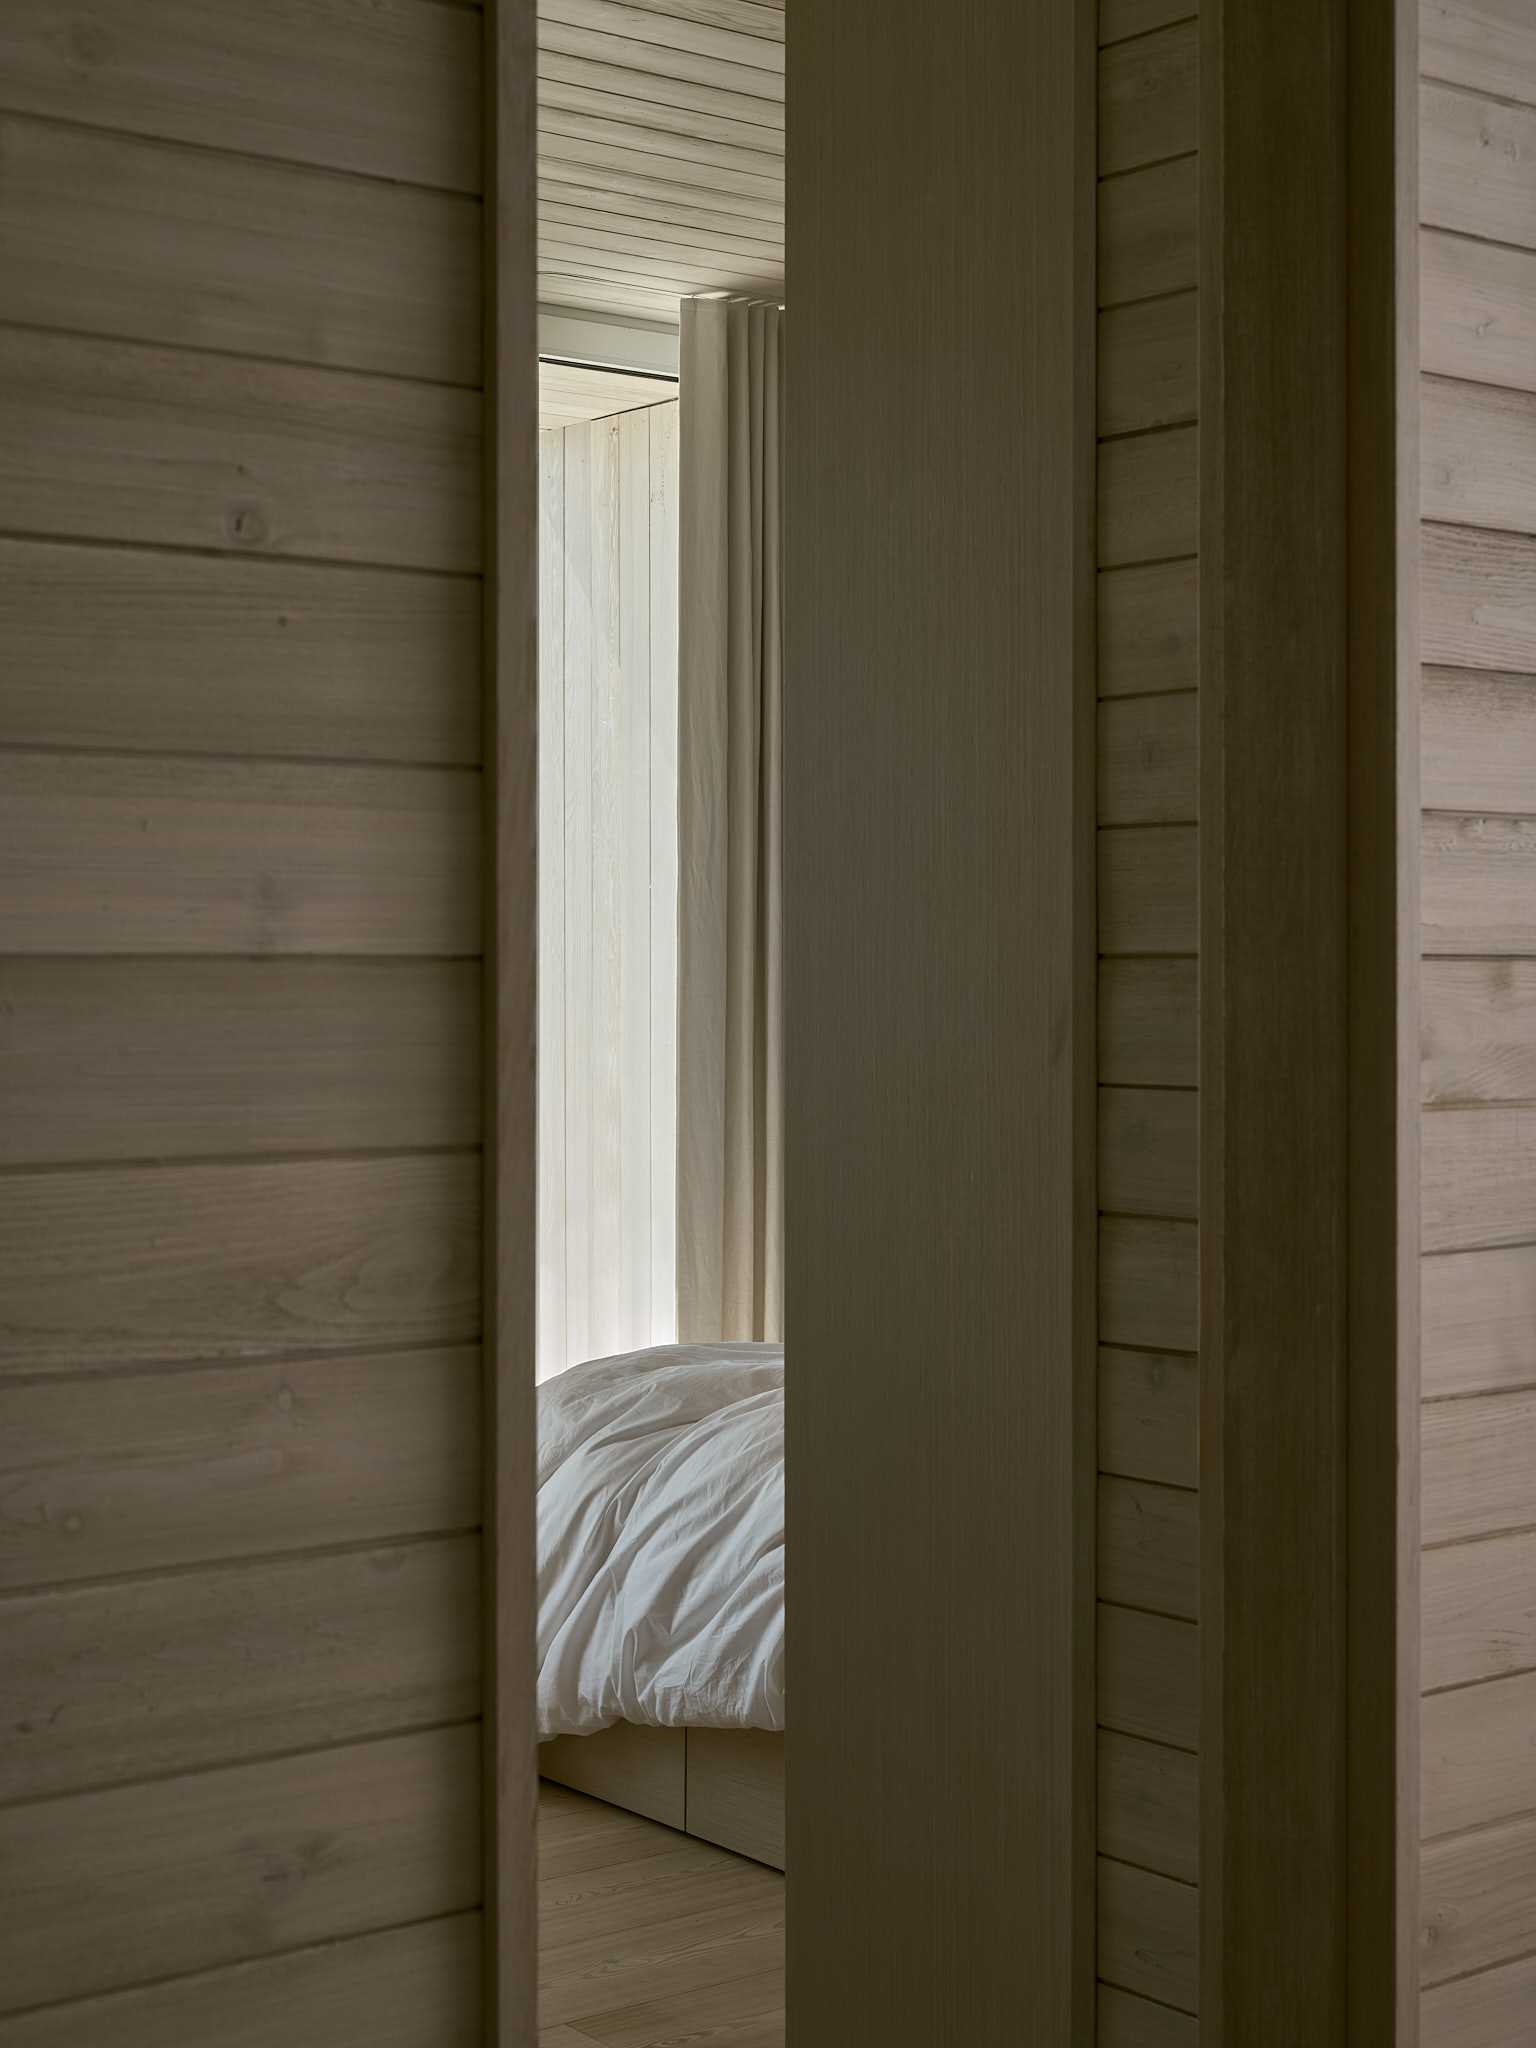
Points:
(1478, 735)
(1149, 1805)
(1148, 760)
(106, 854)
(1148, 1283)
(1149, 1142)
(391, 92)
(1479, 1904)
(1126, 2021)
(1121, 18)
(1149, 1025)
(120, 648)
(1479, 165)
(736, 1791)
(1478, 882)
(644, 1770)
(227, 1865)
(1479, 455)
(1148, 369)
(1149, 1676)
(1302, 387)
(1479, 1466)
(1479, 598)
(1149, 1416)
(1479, 1611)
(1478, 304)
(99, 1686)
(1486, 44)
(962, 1907)
(1478, 1027)
(1480, 1321)
(133, 1265)
(1147, 497)
(1479, 1178)
(1147, 232)
(1486, 2011)
(409, 1987)
(143, 1472)
(1148, 1934)
(106, 234)
(103, 440)
(1147, 95)
(1479, 1755)
(1148, 890)
(135, 1059)
(1149, 1547)
(1148, 629)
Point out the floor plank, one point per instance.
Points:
(648, 1939)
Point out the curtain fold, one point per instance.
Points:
(730, 1188)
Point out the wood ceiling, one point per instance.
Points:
(661, 152)
(571, 392)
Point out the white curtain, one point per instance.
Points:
(730, 1223)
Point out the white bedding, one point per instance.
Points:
(661, 1540)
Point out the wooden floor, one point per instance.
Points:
(650, 1940)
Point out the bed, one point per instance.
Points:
(661, 1588)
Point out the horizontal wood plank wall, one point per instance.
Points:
(1148, 740)
(240, 1098)
(1478, 239)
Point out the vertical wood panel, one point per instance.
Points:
(961, 1909)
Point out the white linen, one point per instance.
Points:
(661, 1540)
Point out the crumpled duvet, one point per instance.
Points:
(661, 1540)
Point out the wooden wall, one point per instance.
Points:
(1478, 423)
(607, 1223)
(939, 974)
(1148, 1049)
(240, 1106)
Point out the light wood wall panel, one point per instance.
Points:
(152, 1471)
(222, 1866)
(399, 102)
(300, 1654)
(608, 918)
(1479, 1610)
(1478, 316)
(137, 651)
(1478, 594)
(1478, 1027)
(409, 1987)
(116, 1266)
(243, 517)
(110, 235)
(116, 441)
(110, 855)
(131, 1059)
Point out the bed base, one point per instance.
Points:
(724, 1785)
